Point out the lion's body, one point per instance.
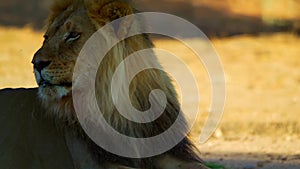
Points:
(70, 25)
(27, 140)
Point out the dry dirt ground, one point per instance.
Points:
(260, 127)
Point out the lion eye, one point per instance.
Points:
(72, 36)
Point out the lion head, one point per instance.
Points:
(70, 24)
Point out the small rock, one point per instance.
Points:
(283, 158)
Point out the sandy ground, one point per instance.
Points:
(260, 126)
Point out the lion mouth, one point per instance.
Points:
(44, 84)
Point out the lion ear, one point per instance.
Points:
(115, 10)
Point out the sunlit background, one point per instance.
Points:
(259, 45)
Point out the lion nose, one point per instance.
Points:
(40, 65)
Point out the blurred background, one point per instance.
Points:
(215, 18)
(259, 45)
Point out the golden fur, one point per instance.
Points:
(70, 24)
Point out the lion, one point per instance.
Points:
(70, 24)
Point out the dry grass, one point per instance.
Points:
(263, 76)
(263, 83)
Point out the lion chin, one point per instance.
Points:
(70, 24)
(57, 101)
(55, 92)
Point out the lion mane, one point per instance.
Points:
(70, 24)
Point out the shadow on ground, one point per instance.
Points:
(253, 161)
